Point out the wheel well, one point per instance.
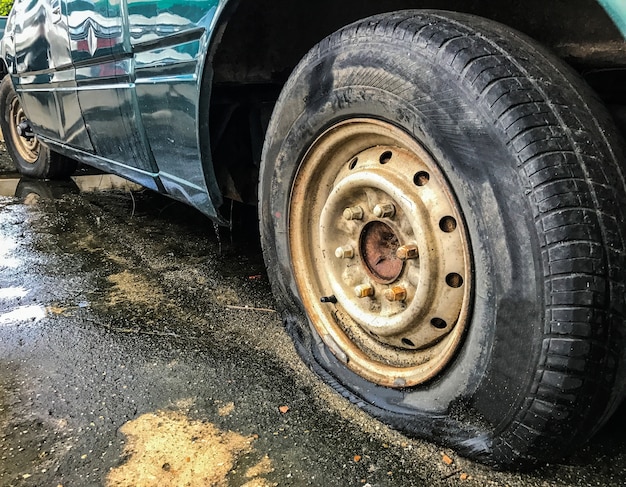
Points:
(265, 39)
(262, 41)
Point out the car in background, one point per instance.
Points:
(440, 185)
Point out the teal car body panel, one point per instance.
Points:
(118, 85)
(124, 85)
(617, 11)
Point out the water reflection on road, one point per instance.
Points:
(14, 185)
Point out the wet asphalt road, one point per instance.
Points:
(138, 348)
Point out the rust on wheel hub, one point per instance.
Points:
(378, 246)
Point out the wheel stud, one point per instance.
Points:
(345, 252)
(395, 293)
(384, 210)
(353, 213)
(408, 251)
(364, 290)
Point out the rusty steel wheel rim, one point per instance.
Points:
(380, 253)
(27, 149)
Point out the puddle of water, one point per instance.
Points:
(7, 246)
(23, 313)
(13, 186)
(104, 182)
(30, 313)
(13, 292)
(8, 186)
(167, 448)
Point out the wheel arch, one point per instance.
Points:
(258, 44)
(264, 40)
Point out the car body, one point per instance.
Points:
(500, 232)
(126, 87)
(71, 60)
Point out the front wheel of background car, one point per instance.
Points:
(30, 156)
(442, 221)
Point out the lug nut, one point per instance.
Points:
(384, 210)
(364, 290)
(353, 213)
(395, 293)
(408, 251)
(345, 252)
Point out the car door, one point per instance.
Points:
(102, 57)
(43, 73)
(169, 41)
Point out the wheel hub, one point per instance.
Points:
(26, 144)
(374, 223)
(378, 246)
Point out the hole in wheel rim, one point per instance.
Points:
(421, 178)
(454, 280)
(438, 323)
(447, 224)
(385, 157)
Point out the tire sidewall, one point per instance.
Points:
(495, 365)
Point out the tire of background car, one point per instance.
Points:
(442, 219)
(31, 157)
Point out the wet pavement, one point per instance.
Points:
(138, 347)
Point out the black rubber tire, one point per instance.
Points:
(532, 158)
(48, 164)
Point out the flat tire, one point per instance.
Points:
(465, 142)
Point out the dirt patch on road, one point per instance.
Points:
(168, 449)
(134, 289)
